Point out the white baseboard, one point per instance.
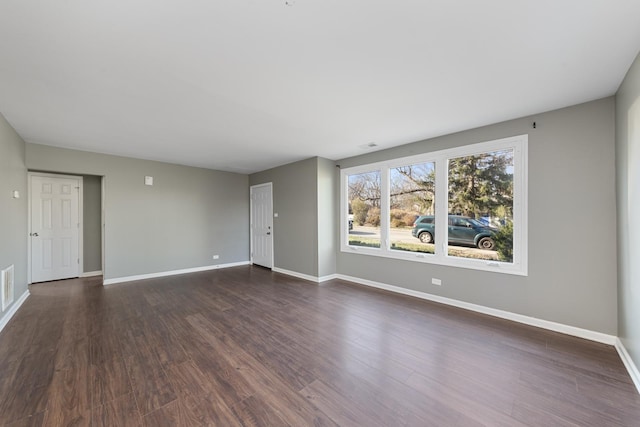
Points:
(314, 279)
(14, 308)
(172, 273)
(634, 373)
(527, 320)
(327, 278)
(91, 273)
(296, 274)
(628, 363)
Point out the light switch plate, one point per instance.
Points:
(16, 194)
(148, 180)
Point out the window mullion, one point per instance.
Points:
(385, 195)
(344, 210)
(442, 200)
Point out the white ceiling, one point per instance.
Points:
(245, 85)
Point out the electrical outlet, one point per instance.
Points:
(216, 256)
(436, 282)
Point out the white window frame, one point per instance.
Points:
(519, 266)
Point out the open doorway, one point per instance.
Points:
(65, 226)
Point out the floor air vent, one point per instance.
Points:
(6, 278)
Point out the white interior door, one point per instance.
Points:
(55, 228)
(262, 225)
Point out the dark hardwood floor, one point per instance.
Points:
(248, 347)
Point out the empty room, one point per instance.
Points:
(320, 213)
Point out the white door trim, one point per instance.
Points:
(270, 186)
(80, 217)
(103, 200)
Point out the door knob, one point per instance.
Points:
(268, 233)
(34, 234)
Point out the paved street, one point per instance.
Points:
(398, 235)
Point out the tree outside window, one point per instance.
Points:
(480, 187)
(412, 195)
(364, 209)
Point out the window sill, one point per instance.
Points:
(439, 259)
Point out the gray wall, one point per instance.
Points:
(91, 220)
(572, 226)
(327, 185)
(628, 192)
(188, 215)
(295, 230)
(304, 196)
(13, 212)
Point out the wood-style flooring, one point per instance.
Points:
(247, 347)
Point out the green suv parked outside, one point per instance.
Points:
(462, 231)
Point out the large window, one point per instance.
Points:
(364, 209)
(480, 189)
(412, 197)
(463, 207)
